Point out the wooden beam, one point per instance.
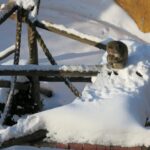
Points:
(6, 13)
(19, 85)
(26, 139)
(24, 86)
(70, 33)
(47, 70)
(33, 59)
(72, 79)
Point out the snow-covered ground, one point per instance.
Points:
(116, 105)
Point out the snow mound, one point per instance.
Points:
(115, 109)
(114, 112)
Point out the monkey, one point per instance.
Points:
(117, 54)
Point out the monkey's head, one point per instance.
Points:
(116, 48)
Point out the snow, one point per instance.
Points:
(10, 49)
(28, 5)
(115, 107)
(72, 31)
(117, 103)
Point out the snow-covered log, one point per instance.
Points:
(47, 70)
(27, 139)
(5, 53)
(71, 33)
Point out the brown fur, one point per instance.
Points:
(117, 54)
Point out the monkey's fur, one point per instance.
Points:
(117, 54)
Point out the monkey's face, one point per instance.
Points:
(113, 51)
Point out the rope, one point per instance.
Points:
(53, 62)
(8, 104)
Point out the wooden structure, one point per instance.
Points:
(33, 71)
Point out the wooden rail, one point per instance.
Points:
(72, 79)
(47, 70)
(70, 33)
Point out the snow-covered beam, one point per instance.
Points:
(48, 70)
(71, 33)
(5, 53)
(36, 136)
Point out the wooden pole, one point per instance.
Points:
(70, 33)
(48, 70)
(8, 105)
(5, 14)
(72, 79)
(36, 136)
(25, 86)
(33, 59)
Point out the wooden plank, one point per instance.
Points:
(47, 70)
(70, 33)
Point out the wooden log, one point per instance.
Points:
(26, 139)
(72, 79)
(33, 59)
(70, 33)
(19, 85)
(5, 53)
(9, 102)
(25, 86)
(47, 70)
(6, 13)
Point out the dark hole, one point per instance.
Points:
(116, 73)
(139, 74)
(109, 73)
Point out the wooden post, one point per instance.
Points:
(8, 105)
(33, 59)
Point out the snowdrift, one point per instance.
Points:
(114, 109)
